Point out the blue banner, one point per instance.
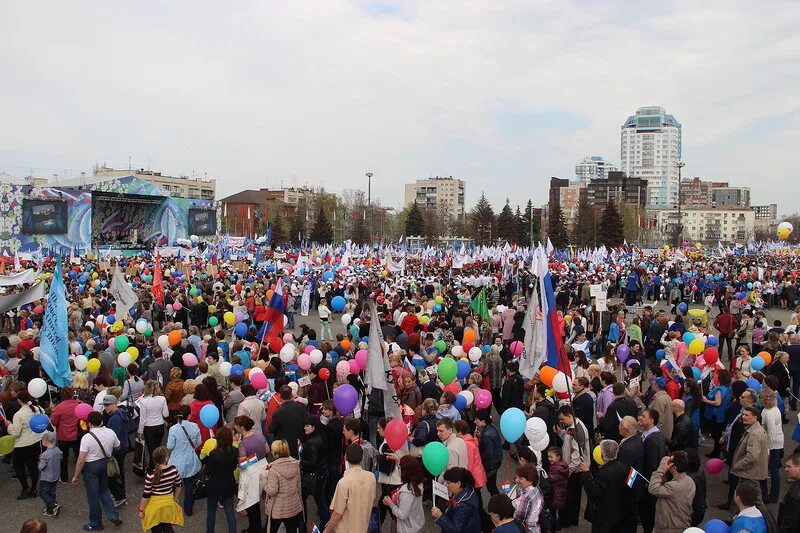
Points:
(54, 344)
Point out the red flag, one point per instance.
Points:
(158, 280)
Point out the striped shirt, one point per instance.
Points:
(168, 481)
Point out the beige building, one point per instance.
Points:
(178, 187)
(708, 225)
(438, 192)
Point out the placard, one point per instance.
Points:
(440, 490)
(305, 381)
(596, 291)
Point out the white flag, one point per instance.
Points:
(124, 296)
(378, 375)
(528, 363)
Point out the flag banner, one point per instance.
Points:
(124, 295)
(273, 324)
(18, 299)
(305, 301)
(250, 460)
(13, 280)
(158, 280)
(531, 358)
(480, 306)
(378, 375)
(54, 345)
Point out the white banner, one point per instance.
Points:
(124, 295)
(28, 296)
(13, 280)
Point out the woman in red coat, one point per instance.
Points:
(201, 399)
(66, 423)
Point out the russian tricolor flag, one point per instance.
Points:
(632, 475)
(250, 460)
(273, 325)
(556, 354)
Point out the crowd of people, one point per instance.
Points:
(196, 392)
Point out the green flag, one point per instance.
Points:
(480, 306)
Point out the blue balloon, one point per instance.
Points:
(462, 369)
(338, 303)
(460, 402)
(110, 319)
(660, 354)
(757, 363)
(752, 383)
(437, 308)
(241, 329)
(38, 423)
(712, 342)
(73, 274)
(327, 276)
(237, 370)
(364, 339)
(716, 526)
(696, 373)
(209, 414)
(486, 348)
(688, 337)
(682, 307)
(750, 286)
(512, 424)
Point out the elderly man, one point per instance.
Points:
(631, 454)
(663, 404)
(789, 510)
(751, 456)
(675, 496)
(655, 448)
(683, 433)
(606, 489)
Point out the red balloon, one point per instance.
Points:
(714, 466)
(275, 344)
(396, 434)
(324, 374)
(711, 355)
(453, 387)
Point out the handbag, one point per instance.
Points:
(138, 457)
(310, 482)
(199, 491)
(112, 467)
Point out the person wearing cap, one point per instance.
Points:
(117, 420)
(663, 404)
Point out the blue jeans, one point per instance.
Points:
(290, 320)
(47, 492)
(188, 494)
(774, 467)
(95, 481)
(323, 507)
(227, 505)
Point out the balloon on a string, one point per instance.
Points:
(80, 362)
(209, 415)
(345, 398)
(512, 424)
(225, 368)
(37, 387)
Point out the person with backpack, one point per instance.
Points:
(352, 435)
(425, 430)
(116, 419)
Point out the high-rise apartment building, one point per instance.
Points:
(445, 193)
(593, 167)
(730, 196)
(650, 149)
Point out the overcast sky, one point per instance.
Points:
(502, 94)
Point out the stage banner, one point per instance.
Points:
(54, 345)
(28, 296)
(124, 296)
(13, 280)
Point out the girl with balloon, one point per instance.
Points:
(27, 428)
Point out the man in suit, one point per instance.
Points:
(606, 489)
(631, 454)
(583, 404)
(619, 408)
(655, 448)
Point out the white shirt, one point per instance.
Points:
(107, 438)
(771, 420)
(98, 401)
(152, 411)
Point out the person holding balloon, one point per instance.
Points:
(27, 447)
(462, 514)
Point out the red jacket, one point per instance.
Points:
(474, 464)
(64, 419)
(408, 323)
(725, 323)
(195, 407)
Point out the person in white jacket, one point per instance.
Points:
(771, 420)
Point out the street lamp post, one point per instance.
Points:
(681, 164)
(369, 202)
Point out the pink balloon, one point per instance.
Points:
(310, 348)
(288, 338)
(189, 359)
(714, 466)
(304, 361)
(82, 411)
(516, 348)
(483, 399)
(177, 306)
(111, 342)
(361, 359)
(354, 368)
(342, 368)
(258, 380)
(454, 387)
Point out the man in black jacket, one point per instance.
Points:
(789, 510)
(655, 448)
(683, 434)
(619, 408)
(288, 421)
(631, 454)
(583, 403)
(546, 410)
(607, 489)
(513, 388)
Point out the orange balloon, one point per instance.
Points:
(346, 344)
(269, 294)
(546, 375)
(247, 373)
(469, 335)
(766, 356)
(174, 337)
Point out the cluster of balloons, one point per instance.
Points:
(784, 230)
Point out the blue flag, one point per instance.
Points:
(54, 345)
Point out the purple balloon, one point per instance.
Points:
(345, 398)
(623, 351)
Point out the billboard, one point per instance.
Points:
(202, 222)
(44, 217)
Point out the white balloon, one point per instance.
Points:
(141, 326)
(294, 386)
(225, 368)
(285, 320)
(541, 444)
(316, 357)
(562, 383)
(467, 396)
(80, 362)
(395, 347)
(457, 351)
(90, 324)
(346, 318)
(475, 353)
(100, 319)
(194, 238)
(786, 225)
(693, 530)
(287, 353)
(37, 387)
(255, 370)
(124, 359)
(163, 341)
(535, 427)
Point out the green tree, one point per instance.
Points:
(359, 231)
(298, 225)
(322, 231)
(415, 224)
(483, 222)
(584, 227)
(611, 231)
(507, 224)
(278, 227)
(557, 227)
(631, 217)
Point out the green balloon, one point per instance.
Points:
(148, 332)
(193, 291)
(121, 343)
(435, 457)
(213, 321)
(447, 370)
(441, 346)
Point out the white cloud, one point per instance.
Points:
(255, 92)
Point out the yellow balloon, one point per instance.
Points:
(696, 347)
(666, 247)
(199, 299)
(134, 351)
(212, 309)
(230, 318)
(598, 457)
(208, 447)
(93, 365)
(783, 233)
